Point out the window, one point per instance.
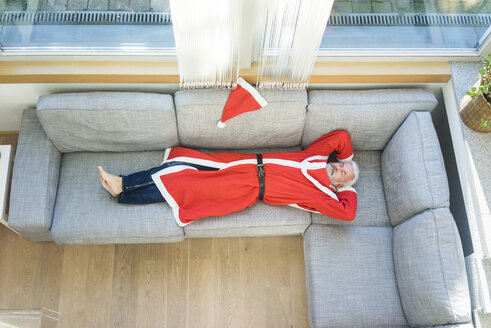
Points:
(424, 25)
(144, 26)
(86, 26)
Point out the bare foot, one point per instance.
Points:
(110, 182)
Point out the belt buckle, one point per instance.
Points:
(260, 169)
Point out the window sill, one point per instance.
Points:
(166, 72)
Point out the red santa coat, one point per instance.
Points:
(296, 178)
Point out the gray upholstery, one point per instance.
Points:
(395, 265)
(413, 171)
(371, 210)
(430, 270)
(34, 181)
(370, 116)
(350, 277)
(109, 121)
(258, 220)
(85, 213)
(279, 124)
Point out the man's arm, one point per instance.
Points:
(338, 141)
(342, 209)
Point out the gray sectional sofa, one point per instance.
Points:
(398, 264)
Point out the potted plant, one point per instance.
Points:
(475, 108)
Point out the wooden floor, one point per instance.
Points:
(229, 282)
(222, 282)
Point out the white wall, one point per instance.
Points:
(14, 98)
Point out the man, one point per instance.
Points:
(197, 185)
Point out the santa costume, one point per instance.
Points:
(237, 180)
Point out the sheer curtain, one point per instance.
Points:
(292, 34)
(207, 36)
(287, 35)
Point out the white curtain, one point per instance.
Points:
(292, 34)
(287, 35)
(207, 36)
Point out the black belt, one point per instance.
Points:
(260, 174)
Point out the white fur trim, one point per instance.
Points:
(205, 162)
(277, 161)
(163, 190)
(301, 208)
(243, 83)
(220, 124)
(221, 165)
(166, 155)
(324, 189)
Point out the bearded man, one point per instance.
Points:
(197, 185)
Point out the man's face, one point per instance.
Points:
(339, 173)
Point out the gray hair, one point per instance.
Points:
(356, 172)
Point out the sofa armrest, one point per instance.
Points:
(34, 181)
(430, 270)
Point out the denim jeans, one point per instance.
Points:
(139, 188)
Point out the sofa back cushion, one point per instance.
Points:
(109, 121)
(370, 116)
(279, 124)
(413, 171)
(430, 270)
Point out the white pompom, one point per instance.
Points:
(221, 124)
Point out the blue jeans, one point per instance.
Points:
(139, 188)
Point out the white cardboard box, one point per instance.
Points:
(5, 167)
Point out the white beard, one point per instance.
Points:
(330, 174)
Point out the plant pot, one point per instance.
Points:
(472, 111)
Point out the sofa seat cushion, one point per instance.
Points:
(430, 270)
(85, 213)
(109, 121)
(413, 170)
(279, 124)
(370, 116)
(350, 277)
(258, 220)
(371, 208)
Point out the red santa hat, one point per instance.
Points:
(244, 98)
